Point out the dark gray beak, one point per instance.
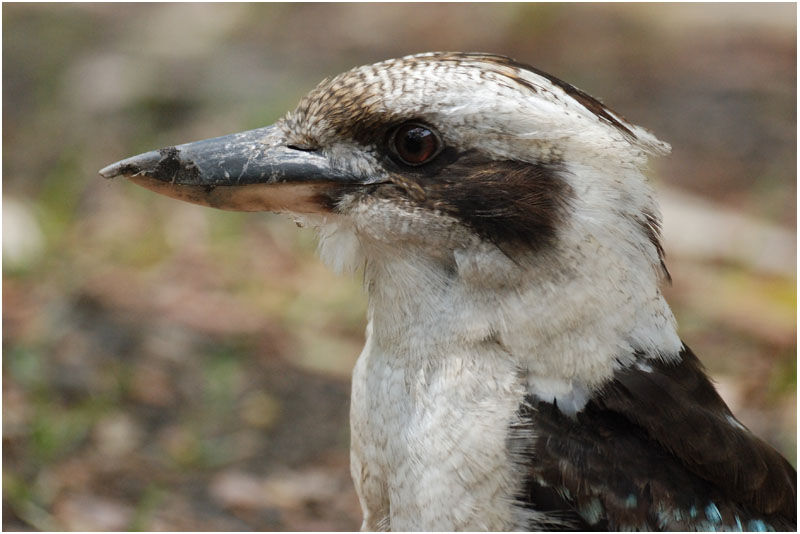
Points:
(247, 171)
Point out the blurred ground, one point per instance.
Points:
(168, 367)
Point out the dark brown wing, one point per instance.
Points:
(657, 449)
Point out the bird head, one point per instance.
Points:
(446, 170)
(498, 147)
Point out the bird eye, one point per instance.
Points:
(415, 144)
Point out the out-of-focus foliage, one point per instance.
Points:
(170, 367)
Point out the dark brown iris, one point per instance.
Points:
(415, 144)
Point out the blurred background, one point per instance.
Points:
(170, 367)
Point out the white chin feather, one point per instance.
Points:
(339, 247)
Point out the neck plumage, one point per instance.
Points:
(569, 314)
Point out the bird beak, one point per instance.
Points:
(247, 171)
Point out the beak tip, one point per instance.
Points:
(141, 164)
(110, 171)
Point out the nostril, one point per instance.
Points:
(302, 148)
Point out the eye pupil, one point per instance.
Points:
(415, 144)
(415, 140)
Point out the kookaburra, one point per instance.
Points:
(522, 369)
